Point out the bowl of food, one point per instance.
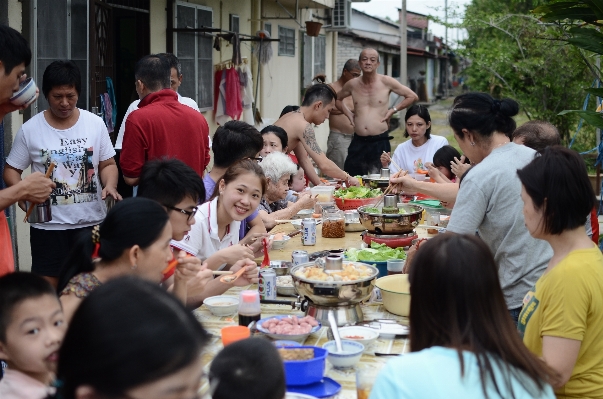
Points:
(323, 193)
(291, 328)
(304, 213)
(395, 291)
(281, 267)
(304, 365)
(364, 335)
(350, 198)
(349, 357)
(279, 240)
(222, 305)
(284, 286)
(285, 343)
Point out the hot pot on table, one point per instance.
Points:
(391, 223)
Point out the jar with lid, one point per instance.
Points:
(333, 223)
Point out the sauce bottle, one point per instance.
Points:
(249, 307)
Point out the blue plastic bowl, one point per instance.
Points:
(381, 266)
(305, 372)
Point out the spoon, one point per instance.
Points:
(335, 330)
(229, 279)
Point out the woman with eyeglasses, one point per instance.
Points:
(131, 340)
(134, 239)
(215, 234)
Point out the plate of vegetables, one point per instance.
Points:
(376, 255)
(352, 197)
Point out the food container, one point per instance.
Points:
(288, 337)
(280, 244)
(353, 204)
(323, 193)
(304, 213)
(232, 334)
(284, 286)
(305, 372)
(41, 213)
(364, 335)
(331, 293)
(285, 343)
(281, 267)
(319, 207)
(352, 351)
(399, 223)
(222, 305)
(395, 291)
(333, 223)
(26, 93)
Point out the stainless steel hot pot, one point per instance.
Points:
(396, 223)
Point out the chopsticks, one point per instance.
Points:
(32, 206)
(393, 162)
(390, 187)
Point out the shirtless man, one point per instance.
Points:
(340, 128)
(315, 109)
(370, 95)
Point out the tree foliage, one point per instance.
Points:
(513, 54)
(580, 22)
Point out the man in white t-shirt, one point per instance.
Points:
(175, 82)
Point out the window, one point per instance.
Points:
(194, 50)
(234, 23)
(314, 58)
(286, 45)
(268, 28)
(60, 19)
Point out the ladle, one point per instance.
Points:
(335, 331)
(229, 279)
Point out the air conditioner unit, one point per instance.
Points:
(429, 37)
(341, 14)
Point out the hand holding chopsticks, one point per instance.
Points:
(32, 206)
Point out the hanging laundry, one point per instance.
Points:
(247, 95)
(217, 44)
(217, 80)
(234, 106)
(108, 113)
(220, 98)
(236, 49)
(111, 92)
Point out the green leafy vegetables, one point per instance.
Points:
(356, 193)
(376, 253)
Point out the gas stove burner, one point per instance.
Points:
(391, 240)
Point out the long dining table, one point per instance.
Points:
(372, 311)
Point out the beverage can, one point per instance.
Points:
(267, 284)
(298, 257)
(308, 235)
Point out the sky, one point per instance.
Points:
(384, 8)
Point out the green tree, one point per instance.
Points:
(513, 54)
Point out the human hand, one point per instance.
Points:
(112, 191)
(258, 247)
(253, 238)
(410, 254)
(352, 181)
(351, 117)
(196, 285)
(388, 115)
(435, 174)
(385, 159)
(235, 253)
(187, 267)
(459, 167)
(36, 188)
(403, 183)
(250, 276)
(306, 201)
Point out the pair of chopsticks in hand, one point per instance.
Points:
(32, 206)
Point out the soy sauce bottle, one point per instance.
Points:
(249, 307)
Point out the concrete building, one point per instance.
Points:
(106, 37)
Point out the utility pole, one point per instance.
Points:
(403, 46)
(447, 50)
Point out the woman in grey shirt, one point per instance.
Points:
(489, 199)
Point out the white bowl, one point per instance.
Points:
(352, 351)
(364, 335)
(304, 213)
(280, 244)
(26, 93)
(222, 305)
(285, 337)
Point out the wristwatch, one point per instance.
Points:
(394, 108)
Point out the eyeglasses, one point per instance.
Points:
(189, 214)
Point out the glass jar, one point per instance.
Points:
(333, 223)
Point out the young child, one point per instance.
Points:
(251, 369)
(31, 331)
(442, 160)
(297, 184)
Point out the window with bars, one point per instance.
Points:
(314, 58)
(194, 50)
(55, 20)
(341, 14)
(286, 44)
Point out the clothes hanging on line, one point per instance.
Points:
(228, 104)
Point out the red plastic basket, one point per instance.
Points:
(353, 204)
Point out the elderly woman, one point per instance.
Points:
(78, 143)
(278, 169)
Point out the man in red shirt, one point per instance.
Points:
(161, 126)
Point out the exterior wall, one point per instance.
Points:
(158, 23)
